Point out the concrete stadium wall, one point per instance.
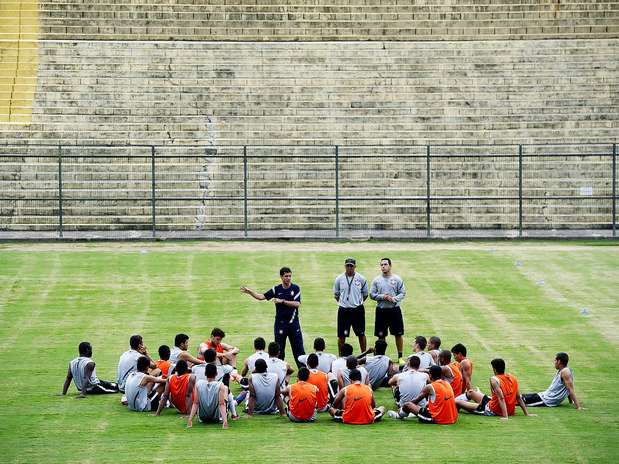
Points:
(358, 72)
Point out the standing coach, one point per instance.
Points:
(388, 291)
(350, 291)
(287, 299)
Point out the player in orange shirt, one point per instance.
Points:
(505, 395)
(441, 406)
(320, 380)
(357, 403)
(164, 361)
(226, 354)
(179, 389)
(302, 398)
(466, 366)
(451, 372)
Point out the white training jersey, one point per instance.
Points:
(137, 395)
(251, 360)
(338, 364)
(127, 364)
(325, 360)
(279, 367)
(78, 366)
(410, 384)
(265, 385)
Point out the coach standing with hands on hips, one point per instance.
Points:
(388, 291)
(350, 291)
(287, 299)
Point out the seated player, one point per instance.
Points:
(209, 400)
(82, 372)
(259, 353)
(378, 366)
(320, 380)
(143, 390)
(181, 345)
(340, 363)
(325, 360)
(179, 389)
(505, 395)
(128, 360)
(225, 373)
(226, 354)
(451, 372)
(354, 404)
(343, 375)
(302, 403)
(408, 385)
(278, 366)
(441, 403)
(434, 348)
(264, 392)
(164, 360)
(419, 345)
(466, 366)
(561, 387)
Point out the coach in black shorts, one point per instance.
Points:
(350, 290)
(388, 291)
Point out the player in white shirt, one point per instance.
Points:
(250, 363)
(278, 366)
(324, 359)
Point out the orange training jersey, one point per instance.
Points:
(211, 346)
(303, 400)
(164, 367)
(358, 404)
(443, 408)
(178, 392)
(320, 380)
(456, 382)
(509, 387)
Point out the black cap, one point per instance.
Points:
(350, 261)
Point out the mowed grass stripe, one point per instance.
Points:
(472, 294)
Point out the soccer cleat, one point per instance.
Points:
(393, 414)
(401, 361)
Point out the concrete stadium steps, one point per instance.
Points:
(273, 20)
(325, 93)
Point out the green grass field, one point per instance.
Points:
(518, 300)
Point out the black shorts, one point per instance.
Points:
(350, 316)
(388, 318)
(424, 416)
(103, 388)
(533, 399)
(337, 416)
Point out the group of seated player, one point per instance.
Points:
(430, 386)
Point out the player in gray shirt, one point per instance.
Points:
(128, 360)
(408, 384)
(561, 387)
(82, 372)
(379, 365)
(325, 360)
(350, 290)
(388, 291)
(210, 399)
(264, 392)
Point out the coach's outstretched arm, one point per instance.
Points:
(249, 291)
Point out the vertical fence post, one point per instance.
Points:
(614, 190)
(153, 200)
(245, 191)
(337, 191)
(520, 191)
(428, 207)
(60, 213)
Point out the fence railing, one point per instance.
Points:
(322, 191)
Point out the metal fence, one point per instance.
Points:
(149, 191)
